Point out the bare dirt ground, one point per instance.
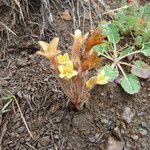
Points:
(27, 76)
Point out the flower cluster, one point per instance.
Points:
(66, 67)
(101, 79)
(72, 71)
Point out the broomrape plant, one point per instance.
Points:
(73, 70)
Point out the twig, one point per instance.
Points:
(25, 123)
(31, 146)
(91, 22)
(8, 28)
(4, 129)
(111, 11)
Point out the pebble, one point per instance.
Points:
(21, 62)
(56, 136)
(143, 131)
(127, 115)
(21, 129)
(14, 134)
(102, 94)
(144, 125)
(141, 114)
(135, 137)
(44, 140)
(103, 120)
(22, 141)
(111, 125)
(3, 82)
(111, 96)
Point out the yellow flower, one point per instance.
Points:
(91, 82)
(49, 49)
(102, 78)
(67, 71)
(63, 59)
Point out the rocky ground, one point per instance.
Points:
(111, 116)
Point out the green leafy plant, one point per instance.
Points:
(134, 20)
(6, 102)
(118, 59)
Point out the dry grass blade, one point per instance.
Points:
(7, 28)
(24, 121)
(19, 6)
(117, 9)
(4, 129)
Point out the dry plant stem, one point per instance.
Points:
(31, 146)
(4, 129)
(117, 9)
(91, 22)
(8, 28)
(78, 13)
(23, 117)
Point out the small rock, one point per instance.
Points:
(103, 120)
(20, 129)
(19, 93)
(28, 139)
(111, 96)
(3, 82)
(44, 140)
(56, 136)
(95, 139)
(144, 125)
(134, 137)
(111, 124)
(102, 94)
(141, 114)
(14, 134)
(21, 62)
(143, 131)
(127, 115)
(22, 141)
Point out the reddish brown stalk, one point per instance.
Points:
(94, 39)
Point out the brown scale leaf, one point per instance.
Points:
(91, 62)
(94, 39)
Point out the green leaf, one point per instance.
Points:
(125, 51)
(111, 72)
(5, 98)
(138, 41)
(141, 69)
(130, 84)
(111, 31)
(146, 49)
(101, 48)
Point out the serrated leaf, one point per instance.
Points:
(141, 69)
(111, 72)
(101, 48)
(126, 51)
(130, 84)
(146, 49)
(111, 31)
